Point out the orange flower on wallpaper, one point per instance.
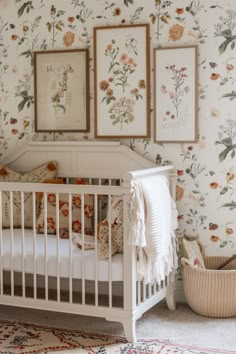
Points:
(229, 231)
(215, 76)
(14, 37)
(71, 19)
(214, 185)
(179, 11)
(176, 32)
(68, 39)
(215, 238)
(179, 193)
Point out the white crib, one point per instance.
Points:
(46, 272)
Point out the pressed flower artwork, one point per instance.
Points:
(175, 94)
(121, 75)
(61, 91)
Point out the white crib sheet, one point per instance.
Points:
(89, 258)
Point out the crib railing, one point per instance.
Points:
(69, 190)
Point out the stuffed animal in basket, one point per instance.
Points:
(116, 230)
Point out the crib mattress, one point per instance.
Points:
(64, 264)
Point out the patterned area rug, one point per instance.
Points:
(22, 338)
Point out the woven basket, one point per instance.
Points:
(210, 292)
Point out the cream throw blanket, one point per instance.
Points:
(153, 222)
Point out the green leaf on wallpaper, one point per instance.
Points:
(231, 205)
(227, 34)
(224, 45)
(223, 244)
(224, 153)
(232, 45)
(230, 95)
(233, 154)
(224, 190)
(26, 6)
(227, 141)
(127, 2)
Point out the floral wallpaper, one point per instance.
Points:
(206, 195)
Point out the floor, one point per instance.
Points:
(181, 326)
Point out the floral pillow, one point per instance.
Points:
(191, 251)
(64, 215)
(37, 175)
(116, 222)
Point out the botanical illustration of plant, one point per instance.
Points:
(4, 66)
(84, 14)
(194, 9)
(177, 92)
(29, 38)
(27, 6)
(60, 97)
(195, 218)
(161, 16)
(225, 28)
(23, 90)
(122, 66)
(55, 24)
(226, 79)
(227, 187)
(136, 15)
(226, 136)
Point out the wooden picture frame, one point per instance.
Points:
(175, 95)
(122, 81)
(61, 88)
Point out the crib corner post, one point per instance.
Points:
(129, 256)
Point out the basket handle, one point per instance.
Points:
(228, 260)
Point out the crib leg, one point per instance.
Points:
(170, 300)
(130, 330)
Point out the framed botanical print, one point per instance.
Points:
(121, 81)
(61, 85)
(175, 94)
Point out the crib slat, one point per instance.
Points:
(34, 247)
(139, 292)
(70, 248)
(83, 268)
(23, 243)
(58, 247)
(46, 244)
(96, 247)
(1, 244)
(12, 244)
(110, 259)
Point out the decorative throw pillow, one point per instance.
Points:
(116, 230)
(37, 175)
(191, 251)
(64, 214)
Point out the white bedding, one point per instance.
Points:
(89, 258)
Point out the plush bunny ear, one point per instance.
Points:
(116, 214)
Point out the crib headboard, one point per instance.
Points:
(80, 159)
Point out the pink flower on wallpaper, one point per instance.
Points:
(171, 94)
(123, 58)
(163, 89)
